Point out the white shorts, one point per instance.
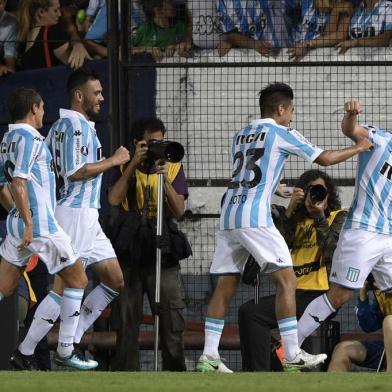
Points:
(358, 253)
(82, 225)
(265, 244)
(55, 250)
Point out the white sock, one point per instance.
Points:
(288, 333)
(69, 318)
(1, 296)
(213, 330)
(44, 318)
(92, 307)
(315, 314)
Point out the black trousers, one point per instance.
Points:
(255, 323)
(127, 315)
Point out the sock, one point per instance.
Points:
(44, 318)
(213, 330)
(288, 333)
(315, 313)
(69, 318)
(1, 295)
(92, 307)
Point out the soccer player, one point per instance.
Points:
(364, 244)
(259, 152)
(78, 160)
(26, 165)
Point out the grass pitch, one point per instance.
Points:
(180, 382)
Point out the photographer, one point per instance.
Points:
(310, 226)
(372, 316)
(135, 188)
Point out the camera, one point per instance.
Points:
(169, 151)
(316, 193)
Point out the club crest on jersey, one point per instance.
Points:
(77, 133)
(84, 150)
(353, 274)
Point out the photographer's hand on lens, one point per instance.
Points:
(140, 153)
(317, 209)
(296, 200)
(162, 167)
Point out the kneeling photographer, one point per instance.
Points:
(134, 192)
(310, 226)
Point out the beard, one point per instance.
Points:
(89, 109)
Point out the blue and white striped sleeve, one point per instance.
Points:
(388, 16)
(294, 143)
(26, 150)
(75, 146)
(227, 22)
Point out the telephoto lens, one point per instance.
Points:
(317, 193)
(169, 151)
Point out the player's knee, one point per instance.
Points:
(117, 283)
(338, 296)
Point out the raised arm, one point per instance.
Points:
(350, 126)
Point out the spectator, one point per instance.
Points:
(311, 229)
(323, 23)
(370, 25)
(92, 10)
(163, 33)
(95, 39)
(206, 27)
(135, 187)
(45, 42)
(8, 35)
(258, 25)
(371, 317)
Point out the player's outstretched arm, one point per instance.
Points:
(19, 194)
(332, 157)
(350, 126)
(90, 170)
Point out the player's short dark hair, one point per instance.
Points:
(274, 95)
(334, 202)
(147, 124)
(21, 101)
(79, 77)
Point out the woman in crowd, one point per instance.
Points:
(44, 38)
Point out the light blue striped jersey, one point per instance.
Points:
(259, 19)
(371, 23)
(371, 208)
(259, 152)
(73, 141)
(24, 154)
(313, 22)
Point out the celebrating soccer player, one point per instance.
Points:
(365, 242)
(26, 165)
(259, 152)
(78, 160)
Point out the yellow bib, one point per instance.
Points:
(385, 302)
(142, 181)
(308, 265)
